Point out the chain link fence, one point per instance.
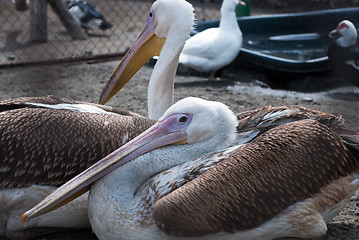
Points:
(127, 18)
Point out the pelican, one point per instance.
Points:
(167, 27)
(288, 182)
(215, 48)
(161, 83)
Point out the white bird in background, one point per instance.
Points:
(215, 48)
(343, 52)
(288, 182)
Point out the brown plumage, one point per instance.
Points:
(48, 147)
(281, 167)
(268, 117)
(34, 140)
(258, 118)
(288, 179)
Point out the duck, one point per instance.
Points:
(215, 48)
(343, 52)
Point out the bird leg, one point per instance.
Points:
(213, 77)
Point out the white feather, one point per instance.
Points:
(214, 48)
(73, 107)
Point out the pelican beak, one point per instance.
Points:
(165, 132)
(147, 45)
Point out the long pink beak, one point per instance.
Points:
(165, 132)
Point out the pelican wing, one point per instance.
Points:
(27, 102)
(47, 146)
(258, 181)
(260, 120)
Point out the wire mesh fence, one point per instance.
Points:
(126, 17)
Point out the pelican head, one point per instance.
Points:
(206, 114)
(346, 34)
(168, 25)
(205, 126)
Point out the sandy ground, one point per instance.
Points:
(85, 81)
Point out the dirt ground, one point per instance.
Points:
(85, 81)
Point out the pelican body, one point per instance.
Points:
(181, 179)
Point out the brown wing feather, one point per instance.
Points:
(255, 119)
(284, 165)
(21, 102)
(49, 147)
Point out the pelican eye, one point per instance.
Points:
(182, 119)
(150, 14)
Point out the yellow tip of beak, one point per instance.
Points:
(23, 218)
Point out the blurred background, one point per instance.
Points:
(46, 34)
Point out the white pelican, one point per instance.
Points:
(160, 89)
(215, 48)
(343, 52)
(288, 182)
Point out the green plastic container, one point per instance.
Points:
(244, 10)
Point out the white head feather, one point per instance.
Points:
(348, 32)
(211, 120)
(229, 5)
(173, 17)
